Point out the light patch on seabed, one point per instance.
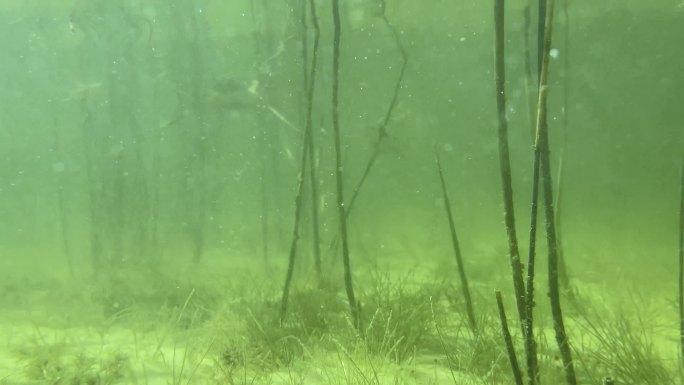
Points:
(41, 354)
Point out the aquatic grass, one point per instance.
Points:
(356, 365)
(396, 318)
(485, 354)
(481, 355)
(623, 348)
(262, 340)
(61, 363)
(159, 297)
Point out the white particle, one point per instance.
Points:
(58, 167)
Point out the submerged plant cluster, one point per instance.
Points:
(411, 332)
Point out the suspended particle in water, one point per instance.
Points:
(58, 167)
(554, 53)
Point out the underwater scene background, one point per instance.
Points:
(167, 165)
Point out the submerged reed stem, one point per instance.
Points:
(307, 155)
(681, 264)
(541, 148)
(383, 127)
(295, 229)
(517, 374)
(505, 162)
(313, 172)
(338, 163)
(524, 291)
(457, 250)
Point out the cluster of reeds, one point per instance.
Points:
(308, 150)
(542, 188)
(524, 290)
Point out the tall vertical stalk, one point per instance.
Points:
(267, 164)
(307, 155)
(61, 205)
(457, 250)
(541, 27)
(530, 344)
(338, 162)
(383, 129)
(541, 147)
(524, 292)
(512, 358)
(295, 228)
(313, 172)
(562, 266)
(504, 161)
(530, 100)
(681, 264)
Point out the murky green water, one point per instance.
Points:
(151, 155)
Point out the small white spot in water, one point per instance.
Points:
(462, 39)
(554, 53)
(58, 167)
(448, 147)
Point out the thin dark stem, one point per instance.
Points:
(263, 142)
(94, 203)
(524, 291)
(542, 146)
(681, 264)
(305, 49)
(517, 374)
(530, 344)
(562, 266)
(505, 163)
(307, 155)
(313, 172)
(457, 250)
(61, 206)
(527, 53)
(383, 127)
(337, 33)
(295, 230)
(541, 27)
